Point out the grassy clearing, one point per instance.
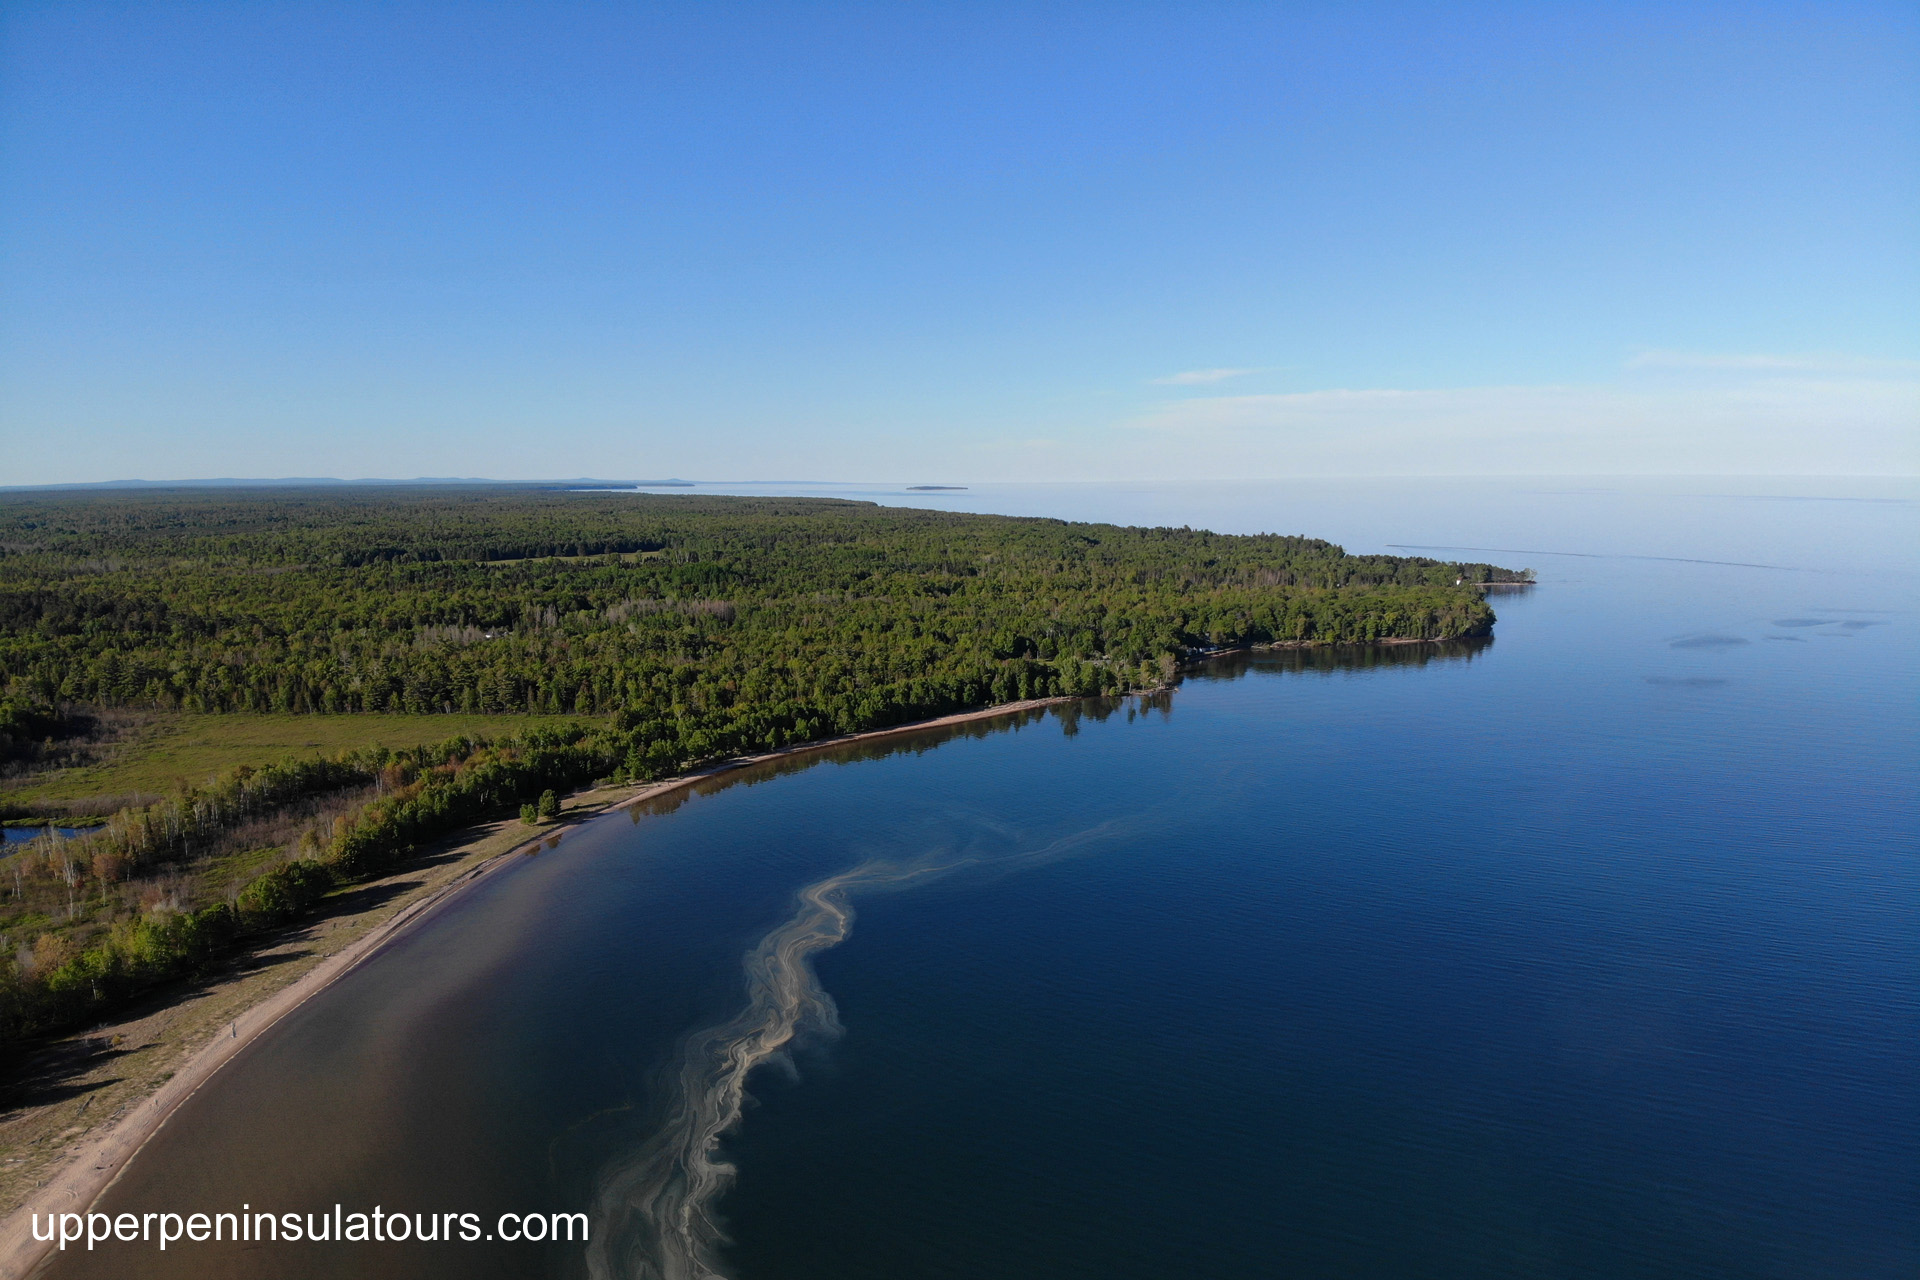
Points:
(195, 747)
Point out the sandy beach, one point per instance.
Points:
(76, 1183)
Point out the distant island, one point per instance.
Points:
(929, 488)
(562, 638)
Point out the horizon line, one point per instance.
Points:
(289, 482)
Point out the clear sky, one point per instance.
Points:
(955, 242)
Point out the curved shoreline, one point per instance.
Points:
(87, 1175)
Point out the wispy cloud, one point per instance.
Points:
(1201, 377)
(1760, 423)
(1755, 362)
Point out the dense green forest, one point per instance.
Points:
(680, 629)
(758, 621)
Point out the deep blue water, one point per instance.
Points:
(1589, 952)
(21, 835)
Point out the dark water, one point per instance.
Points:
(22, 835)
(1593, 951)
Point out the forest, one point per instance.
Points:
(678, 629)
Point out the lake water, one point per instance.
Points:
(1592, 951)
(25, 835)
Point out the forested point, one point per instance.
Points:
(682, 629)
(763, 621)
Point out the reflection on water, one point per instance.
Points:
(902, 742)
(1578, 953)
(1343, 657)
(908, 741)
(1069, 714)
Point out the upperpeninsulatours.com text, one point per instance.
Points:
(250, 1227)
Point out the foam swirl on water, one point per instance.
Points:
(654, 1215)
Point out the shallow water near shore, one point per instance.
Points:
(1593, 950)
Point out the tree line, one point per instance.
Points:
(64, 978)
(682, 629)
(768, 621)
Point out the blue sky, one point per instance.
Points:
(957, 242)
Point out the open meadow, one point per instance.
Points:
(158, 752)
